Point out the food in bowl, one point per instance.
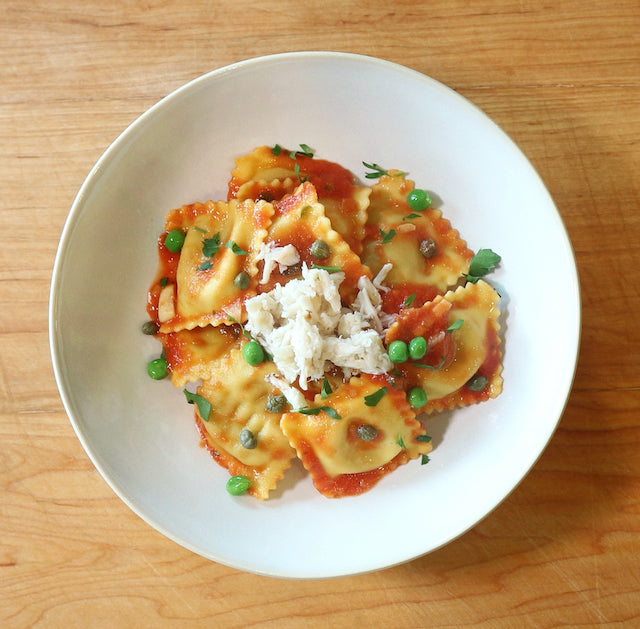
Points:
(320, 319)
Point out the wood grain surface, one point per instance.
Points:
(562, 78)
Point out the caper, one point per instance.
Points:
(276, 403)
(247, 439)
(150, 328)
(428, 248)
(241, 281)
(320, 249)
(477, 383)
(366, 432)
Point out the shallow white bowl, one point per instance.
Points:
(140, 433)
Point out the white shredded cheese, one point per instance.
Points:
(304, 326)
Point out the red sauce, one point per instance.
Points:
(167, 270)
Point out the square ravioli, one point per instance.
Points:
(270, 173)
(462, 363)
(350, 443)
(222, 240)
(238, 393)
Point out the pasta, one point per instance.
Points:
(309, 316)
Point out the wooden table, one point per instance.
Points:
(563, 79)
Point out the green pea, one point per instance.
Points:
(428, 248)
(417, 347)
(241, 281)
(174, 240)
(366, 432)
(419, 200)
(158, 368)
(247, 439)
(237, 485)
(320, 249)
(253, 352)
(398, 351)
(276, 403)
(150, 328)
(417, 397)
(477, 383)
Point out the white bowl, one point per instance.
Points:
(140, 433)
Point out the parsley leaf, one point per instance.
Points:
(296, 169)
(316, 410)
(482, 263)
(207, 264)
(326, 389)
(387, 236)
(378, 171)
(374, 398)
(305, 150)
(423, 438)
(204, 406)
(424, 459)
(239, 251)
(400, 442)
(409, 300)
(456, 325)
(328, 269)
(423, 366)
(276, 150)
(211, 245)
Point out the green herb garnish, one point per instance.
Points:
(387, 236)
(296, 170)
(207, 264)
(316, 410)
(211, 245)
(423, 366)
(374, 398)
(239, 251)
(482, 263)
(326, 389)
(409, 300)
(456, 325)
(204, 406)
(400, 442)
(276, 150)
(377, 171)
(328, 269)
(305, 150)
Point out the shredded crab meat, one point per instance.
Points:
(306, 329)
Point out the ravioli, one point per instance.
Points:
(426, 253)
(222, 240)
(339, 460)
(231, 413)
(320, 275)
(461, 329)
(270, 173)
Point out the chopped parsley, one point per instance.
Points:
(203, 405)
(211, 245)
(326, 389)
(377, 171)
(207, 264)
(328, 269)
(387, 236)
(409, 300)
(316, 410)
(481, 264)
(456, 325)
(400, 442)
(374, 398)
(239, 251)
